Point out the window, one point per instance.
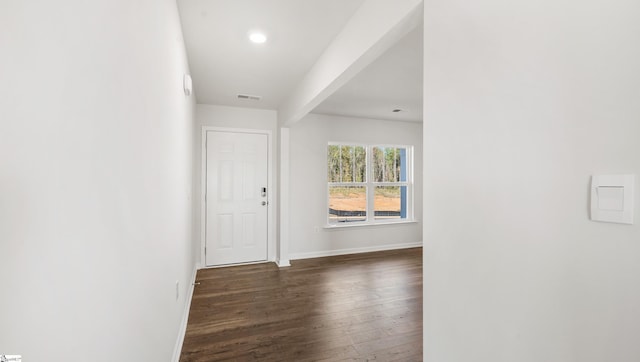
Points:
(368, 184)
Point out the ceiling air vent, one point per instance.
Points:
(249, 97)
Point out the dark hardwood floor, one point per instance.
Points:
(360, 307)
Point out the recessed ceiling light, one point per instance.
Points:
(257, 37)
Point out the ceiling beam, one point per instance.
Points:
(375, 27)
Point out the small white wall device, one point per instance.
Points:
(612, 198)
(187, 85)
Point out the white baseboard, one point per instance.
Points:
(283, 263)
(177, 350)
(367, 249)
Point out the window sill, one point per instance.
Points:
(365, 224)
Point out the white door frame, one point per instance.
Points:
(271, 193)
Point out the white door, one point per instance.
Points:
(236, 197)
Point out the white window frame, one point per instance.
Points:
(370, 186)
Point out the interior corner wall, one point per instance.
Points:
(524, 101)
(308, 185)
(95, 180)
(231, 118)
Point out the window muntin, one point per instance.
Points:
(368, 184)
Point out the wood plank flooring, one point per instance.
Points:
(361, 307)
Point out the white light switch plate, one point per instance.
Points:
(612, 198)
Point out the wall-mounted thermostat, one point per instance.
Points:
(612, 198)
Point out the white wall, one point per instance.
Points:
(524, 101)
(232, 118)
(95, 180)
(308, 185)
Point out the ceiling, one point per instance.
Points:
(223, 63)
(393, 81)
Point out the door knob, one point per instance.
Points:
(264, 203)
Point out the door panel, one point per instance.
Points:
(236, 219)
